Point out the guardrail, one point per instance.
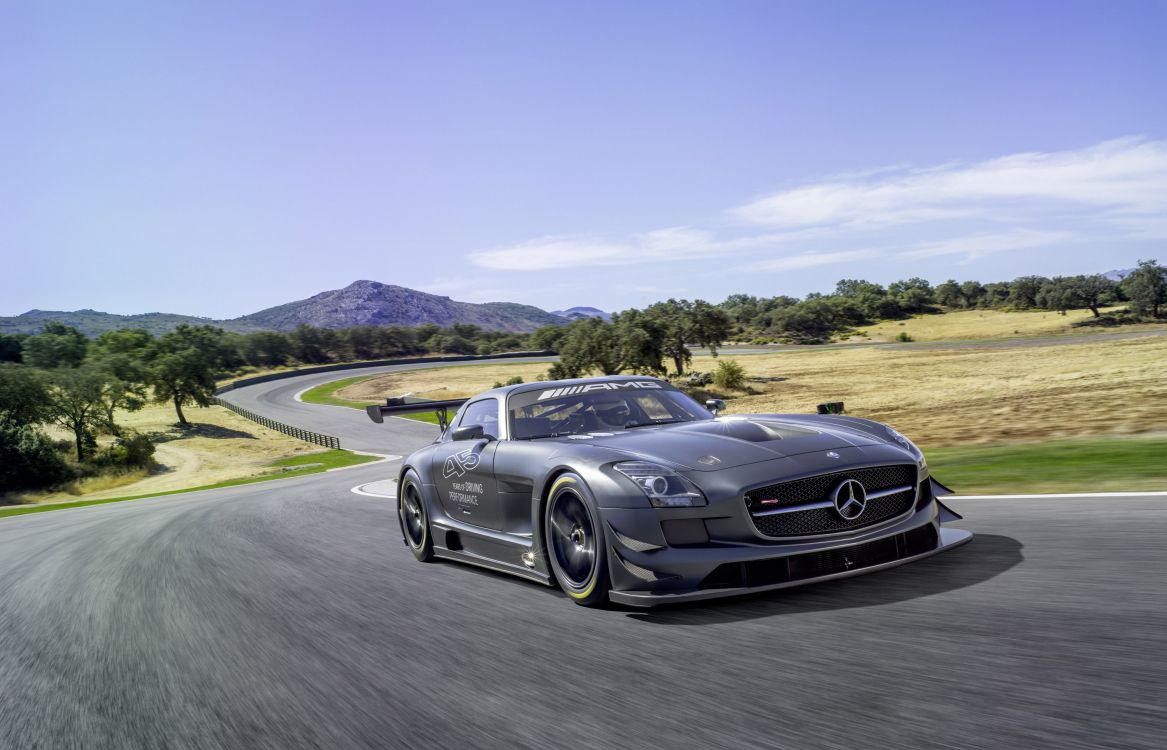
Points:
(376, 363)
(328, 441)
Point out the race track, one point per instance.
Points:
(289, 614)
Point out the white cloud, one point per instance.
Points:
(979, 245)
(1114, 190)
(810, 260)
(545, 253)
(1124, 176)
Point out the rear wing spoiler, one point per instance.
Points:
(402, 405)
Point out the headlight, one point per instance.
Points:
(904, 442)
(664, 487)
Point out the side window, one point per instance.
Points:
(483, 412)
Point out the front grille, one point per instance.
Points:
(818, 489)
(823, 563)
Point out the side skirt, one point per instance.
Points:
(496, 565)
(486, 548)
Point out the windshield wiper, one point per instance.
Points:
(654, 423)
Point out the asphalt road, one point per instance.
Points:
(276, 400)
(289, 614)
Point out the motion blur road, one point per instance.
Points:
(289, 614)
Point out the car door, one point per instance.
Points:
(463, 470)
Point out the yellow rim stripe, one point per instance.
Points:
(583, 594)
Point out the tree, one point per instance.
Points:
(639, 338)
(1056, 294)
(22, 394)
(948, 294)
(313, 345)
(183, 365)
(266, 348)
(12, 347)
(857, 288)
(589, 344)
(913, 295)
(1146, 288)
(74, 403)
(971, 293)
(742, 309)
(57, 345)
(709, 326)
(548, 338)
(996, 294)
(673, 319)
(27, 457)
(1023, 291)
(1063, 293)
(1092, 291)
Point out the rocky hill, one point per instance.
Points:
(579, 313)
(92, 322)
(359, 303)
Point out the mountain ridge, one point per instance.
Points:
(363, 302)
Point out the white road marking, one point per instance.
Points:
(360, 488)
(1048, 497)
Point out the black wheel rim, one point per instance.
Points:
(573, 538)
(413, 515)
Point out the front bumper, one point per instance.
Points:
(649, 577)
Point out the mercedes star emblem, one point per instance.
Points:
(850, 499)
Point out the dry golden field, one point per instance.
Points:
(220, 445)
(981, 324)
(940, 396)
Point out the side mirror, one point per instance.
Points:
(469, 432)
(715, 405)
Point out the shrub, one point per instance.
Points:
(904, 337)
(729, 376)
(28, 458)
(516, 380)
(700, 379)
(133, 451)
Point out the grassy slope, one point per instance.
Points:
(977, 324)
(326, 394)
(984, 416)
(297, 466)
(1098, 465)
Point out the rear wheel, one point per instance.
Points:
(575, 542)
(415, 522)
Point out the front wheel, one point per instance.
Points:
(415, 522)
(575, 542)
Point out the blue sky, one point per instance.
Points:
(217, 158)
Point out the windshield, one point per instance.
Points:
(622, 405)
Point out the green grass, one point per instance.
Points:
(326, 394)
(1085, 465)
(311, 463)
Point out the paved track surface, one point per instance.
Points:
(276, 399)
(290, 615)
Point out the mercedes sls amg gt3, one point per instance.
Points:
(625, 489)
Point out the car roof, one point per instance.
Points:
(507, 390)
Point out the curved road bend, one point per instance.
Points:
(289, 615)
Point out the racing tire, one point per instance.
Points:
(575, 542)
(414, 520)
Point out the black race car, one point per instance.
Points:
(626, 489)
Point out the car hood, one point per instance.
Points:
(723, 443)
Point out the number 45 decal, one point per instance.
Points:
(460, 463)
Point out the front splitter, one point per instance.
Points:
(949, 538)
